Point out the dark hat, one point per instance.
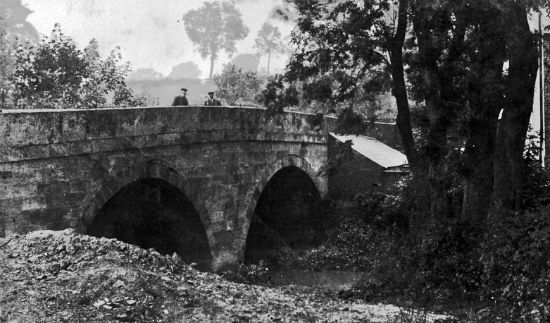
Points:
(210, 92)
(184, 89)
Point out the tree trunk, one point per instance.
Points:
(512, 128)
(436, 147)
(212, 59)
(438, 171)
(485, 100)
(478, 178)
(399, 91)
(268, 62)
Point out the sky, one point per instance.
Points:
(150, 33)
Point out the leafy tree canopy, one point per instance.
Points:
(235, 85)
(343, 40)
(213, 28)
(269, 42)
(14, 14)
(56, 74)
(285, 12)
(279, 94)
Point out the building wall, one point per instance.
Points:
(355, 174)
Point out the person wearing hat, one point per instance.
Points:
(212, 101)
(181, 99)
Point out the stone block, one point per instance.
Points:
(6, 175)
(217, 217)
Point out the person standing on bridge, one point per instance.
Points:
(181, 99)
(211, 101)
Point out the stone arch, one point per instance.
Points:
(264, 178)
(121, 178)
(272, 169)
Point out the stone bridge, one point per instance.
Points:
(185, 179)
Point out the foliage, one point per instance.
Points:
(187, 70)
(319, 95)
(449, 267)
(345, 49)
(285, 12)
(56, 74)
(124, 96)
(269, 42)
(235, 85)
(500, 272)
(492, 272)
(536, 178)
(515, 257)
(352, 52)
(215, 27)
(14, 14)
(248, 62)
(278, 94)
(7, 65)
(333, 66)
(353, 246)
(350, 122)
(361, 239)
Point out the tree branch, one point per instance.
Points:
(384, 58)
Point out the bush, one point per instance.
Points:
(535, 188)
(449, 266)
(385, 211)
(352, 247)
(502, 270)
(369, 238)
(234, 85)
(357, 241)
(516, 260)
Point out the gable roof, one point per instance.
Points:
(378, 152)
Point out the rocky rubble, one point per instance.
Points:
(60, 276)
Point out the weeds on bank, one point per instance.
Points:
(500, 272)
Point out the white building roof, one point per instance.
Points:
(374, 150)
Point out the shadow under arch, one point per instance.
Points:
(147, 205)
(283, 212)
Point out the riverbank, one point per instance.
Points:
(60, 276)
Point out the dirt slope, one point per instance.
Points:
(60, 276)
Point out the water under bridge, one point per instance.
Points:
(190, 180)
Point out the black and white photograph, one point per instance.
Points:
(274, 161)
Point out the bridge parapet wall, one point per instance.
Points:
(38, 134)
